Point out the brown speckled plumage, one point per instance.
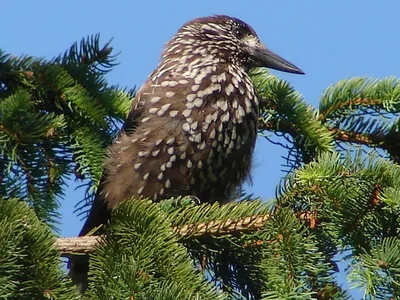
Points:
(193, 124)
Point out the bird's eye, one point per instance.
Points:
(238, 32)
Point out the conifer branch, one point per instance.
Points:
(351, 103)
(386, 141)
(86, 244)
(358, 138)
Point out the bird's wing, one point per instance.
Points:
(99, 212)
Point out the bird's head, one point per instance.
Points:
(228, 38)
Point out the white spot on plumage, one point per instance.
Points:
(189, 105)
(234, 134)
(198, 102)
(160, 112)
(173, 113)
(211, 118)
(145, 176)
(186, 113)
(199, 78)
(195, 87)
(145, 119)
(160, 176)
(249, 93)
(225, 117)
(235, 103)
(137, 166)
(229, 89)
(216, 87)
(200, 93)
(235, 82)
(170, 141)
(186, 127)
(140, 190)
(165, 107)
(155, 152)
(170, 150)
(194, 125)
(143, 153)
(199, 164)
(255, 99)
(153, 110)
(167, 183)
(238, 76)
(212, 133)
(227, 139)
(169, 94)
(197, 138)
(162, 167)
(221, 77)
(191, 97)
(201, 146)
(240, 113)
(155, 99)
(247, 104)
(189, 164)
(158, 142)
(216, 60)
(222, 104)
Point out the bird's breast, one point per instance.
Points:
(195, 136)
(220, 122)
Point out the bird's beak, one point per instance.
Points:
(267, 58)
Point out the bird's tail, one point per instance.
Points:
(79, 264)
(78, 271)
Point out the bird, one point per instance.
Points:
(192, 126)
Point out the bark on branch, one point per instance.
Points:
(86, 244)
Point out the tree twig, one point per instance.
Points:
(389, 141)
(86, 244)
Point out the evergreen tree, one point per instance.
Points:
(341, 195)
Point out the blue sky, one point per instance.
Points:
(329, 40)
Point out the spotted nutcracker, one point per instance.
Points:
(192, 126)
